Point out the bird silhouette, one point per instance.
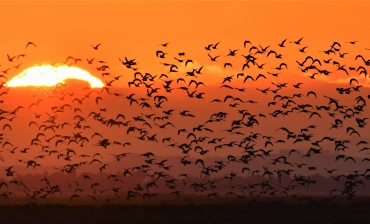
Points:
(186, 144)
(96, 47)
(30, 43)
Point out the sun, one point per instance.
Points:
(48, 75)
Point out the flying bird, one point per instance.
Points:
(96, 47)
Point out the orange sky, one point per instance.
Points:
(135, 29)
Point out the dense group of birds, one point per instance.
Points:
(157, 122)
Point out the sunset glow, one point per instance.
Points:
(185, 112)
(48, 75)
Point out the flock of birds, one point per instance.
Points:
(156, 116)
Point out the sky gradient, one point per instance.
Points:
(266, 114)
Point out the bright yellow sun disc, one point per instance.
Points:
(48, 75)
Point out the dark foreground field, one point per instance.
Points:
(245, 212)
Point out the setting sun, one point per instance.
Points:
(244, 111)
(48, 75)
